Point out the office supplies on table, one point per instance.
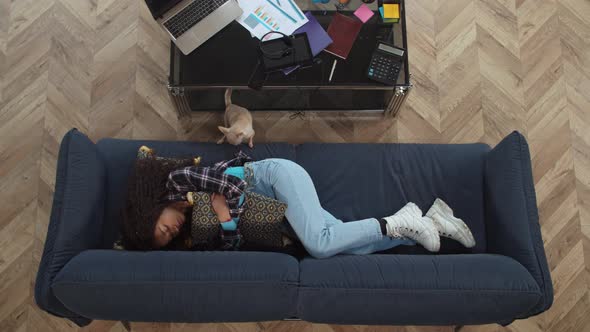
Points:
(285, 51)
(387, 20)
(364, 13)
(390, 10)
(332, 71)
(296, 9)
(317, 36)
(191, 23)
(280, 9)
(305, 89)
(341, 4)
(263, 16)
(386, 63)
(343, 30)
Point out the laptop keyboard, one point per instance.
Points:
(191, 15)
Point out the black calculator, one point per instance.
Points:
(386, 63)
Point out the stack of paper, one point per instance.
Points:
(263, 16)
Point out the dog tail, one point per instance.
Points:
(228, 92)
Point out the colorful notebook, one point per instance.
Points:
(317, 36)
(343, 30)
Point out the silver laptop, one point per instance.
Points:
(191, 22)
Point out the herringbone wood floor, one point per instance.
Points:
(481, 69)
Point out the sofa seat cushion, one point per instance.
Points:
(119, 156)
(358, 181)
(179, 286)
(434, 290)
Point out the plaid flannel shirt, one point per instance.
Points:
(210, 179)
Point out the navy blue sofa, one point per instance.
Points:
(505, 277)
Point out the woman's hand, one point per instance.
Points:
(220, 207)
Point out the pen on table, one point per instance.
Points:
(333, 69)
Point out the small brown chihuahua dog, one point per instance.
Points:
(238, 124)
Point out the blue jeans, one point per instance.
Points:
(320, 232)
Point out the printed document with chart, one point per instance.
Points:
(263, 16)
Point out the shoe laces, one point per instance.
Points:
(402, 230)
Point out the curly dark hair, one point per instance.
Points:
(145, 202)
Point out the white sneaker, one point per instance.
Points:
(409, 223)
(448, 225)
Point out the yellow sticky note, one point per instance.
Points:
(390, 10)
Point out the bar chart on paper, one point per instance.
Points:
(260, 16)
(263, 16)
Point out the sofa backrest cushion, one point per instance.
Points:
(119, 156)
(357, 181)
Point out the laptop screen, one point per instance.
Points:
(160, 7)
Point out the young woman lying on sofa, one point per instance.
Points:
(158, 208)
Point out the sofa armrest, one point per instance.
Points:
(180, 286)
(512, 219)
(76, 217)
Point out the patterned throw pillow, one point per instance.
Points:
(262, 225)
(205, 226)
(262, 222)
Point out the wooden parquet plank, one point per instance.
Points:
(226, 327)
(23, 81)
(574, 19)
(460, 94)
(484, 328)
(570, 286)
(202, 127)
(40, 321)
(500, 66)
(14, 277)
(2, 70)
(154, 114)
(420, 118)
(4, 26)
(17, 320)
(113, 91)
(548, 129)
(114, 69)
(576, 319)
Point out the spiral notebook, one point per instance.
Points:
(343, 30)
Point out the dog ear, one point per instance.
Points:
(223, 129)
(241, 134)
